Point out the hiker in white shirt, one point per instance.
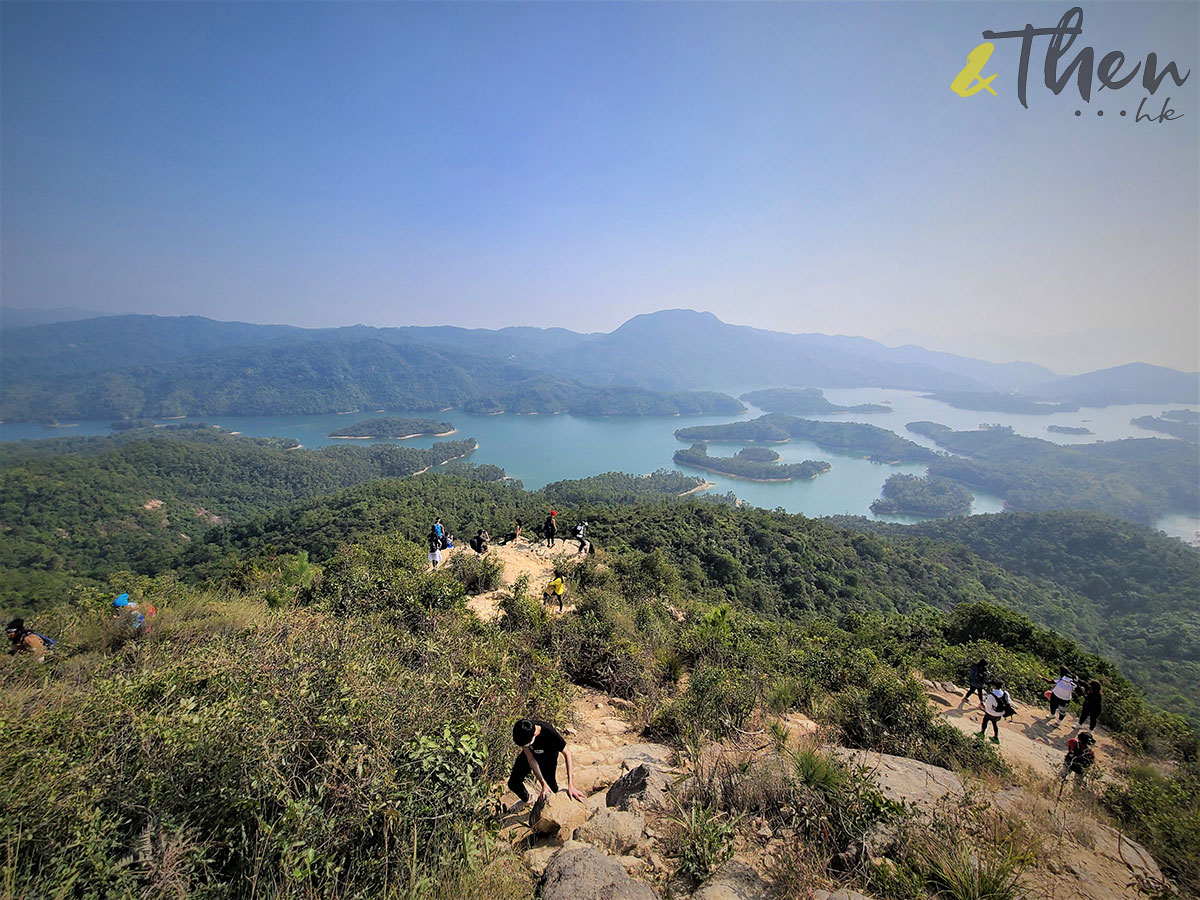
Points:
(996, 704)
(1060, 694)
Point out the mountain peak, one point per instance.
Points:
(669, 319)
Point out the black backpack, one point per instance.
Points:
(1006, 705)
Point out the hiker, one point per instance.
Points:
(21, 638)
(977, 678)
(1080, 757)
(438, 531)
(555, 589)
(1092, 701)
(435, 549)
(512, 536)
(997, 704)
(132, 613)
(579, 529)
(1060, 695)
(540, 745)
(479, 543)
(550, 528)
(448, 541)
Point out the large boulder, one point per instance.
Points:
(642, 786)
(613, 830)
(558, 816)
(733, 881)
(587, 874)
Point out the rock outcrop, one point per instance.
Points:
(588, 874)
(613, 830)
(643, 786)
(558, 816)
(733, 881)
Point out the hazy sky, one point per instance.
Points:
(797, 166)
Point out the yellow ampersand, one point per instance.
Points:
(976, 60)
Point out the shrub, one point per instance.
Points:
(702, 839)
(477, 574)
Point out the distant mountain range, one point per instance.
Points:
(154, 365)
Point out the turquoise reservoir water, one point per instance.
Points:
(539, 449)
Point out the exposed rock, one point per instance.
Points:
(587, 874)
(642, 786)
(613, 830)
(558, 816)
(537, 858)
(659, 755)
(903, 779)
(618, 703)
(591, 778)
(733, 881)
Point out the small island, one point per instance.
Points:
(758, 454)
(697, 457)
(876, 444)
(914, 495)
(392, 428)
(805, 402)
(1069, 429)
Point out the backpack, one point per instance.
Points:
(1005, 705)
(49, 642)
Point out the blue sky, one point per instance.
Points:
(799, 166)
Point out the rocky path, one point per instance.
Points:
(1031, 739)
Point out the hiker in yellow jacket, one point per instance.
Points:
(555, 590)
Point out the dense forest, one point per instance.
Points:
(335, 374)
(1132, 589)
(847, 437)
(740, 466)
(90, 506)
(758, 454)
(805, 402)
(923, 496)
(1069, 429)
(1138, 479)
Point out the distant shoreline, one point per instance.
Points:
(388, 437)
(703, 486)
(747, 478)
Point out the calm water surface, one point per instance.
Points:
(539, 449)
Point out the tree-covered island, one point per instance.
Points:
(394, 428)
(928, 496)
(741, 467)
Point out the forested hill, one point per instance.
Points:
(1135, 590)
(332, 374)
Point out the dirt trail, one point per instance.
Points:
(1030, 739)
(521, 558)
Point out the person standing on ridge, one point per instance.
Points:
(996, 705)
(550, 528)
(1092, 703)
(435, 549)
(1060, 695)
(579, 529)
(977, 679)
(540, 745)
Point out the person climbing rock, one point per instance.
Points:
(1080, 757)
(1060, 694)
(1092, 702)
(21, 639)
(977, 680)
(579, 530)
(480, 542)
(555, 590)
(540, 745)
(512, 536)
(997, 704)
(550, 528)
